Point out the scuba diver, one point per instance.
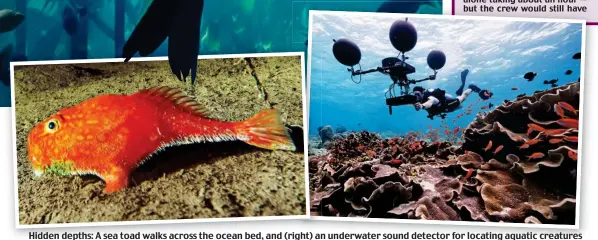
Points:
(437, 102)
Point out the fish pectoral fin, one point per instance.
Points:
(116, 180)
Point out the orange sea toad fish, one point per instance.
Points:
(111, 135)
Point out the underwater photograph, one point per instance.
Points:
(107, 141)
(447, 118)
(180, 29)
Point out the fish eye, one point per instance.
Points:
(52, 126)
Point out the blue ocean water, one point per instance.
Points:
(497, 54)
(228, 27)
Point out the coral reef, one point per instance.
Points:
(516, 163)
(326, 133)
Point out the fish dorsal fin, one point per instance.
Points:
(178, 98)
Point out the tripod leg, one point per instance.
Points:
(390, 109)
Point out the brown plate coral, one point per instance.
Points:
(517, 163)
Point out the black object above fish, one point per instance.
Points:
(177, 20)
(577, 56)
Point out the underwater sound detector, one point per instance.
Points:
(403, 38)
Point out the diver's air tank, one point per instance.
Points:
(403, 36)
(346, 52)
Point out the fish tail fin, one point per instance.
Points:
(265, 130)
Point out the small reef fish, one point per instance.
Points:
(577, 55)
(529, 131)
(551, 82)
(498, 149)
(536, 127)
(572, 155)
(568, 107)
(489, 146)
(514, 88)
(530, 76)
(568, 72)
(517, 138)
(555, 140)
(559, 111)
(571, 138)
(396, 161)
(554, 132)
(484, 107)
(568, 122)
(532, 141)
(111, 135)
(536, 156)
(456, 130)
(524, 146)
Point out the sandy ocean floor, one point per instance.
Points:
(212, 180)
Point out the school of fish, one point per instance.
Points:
(568, 119)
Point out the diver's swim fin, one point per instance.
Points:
(463, 78)
(474, 88)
